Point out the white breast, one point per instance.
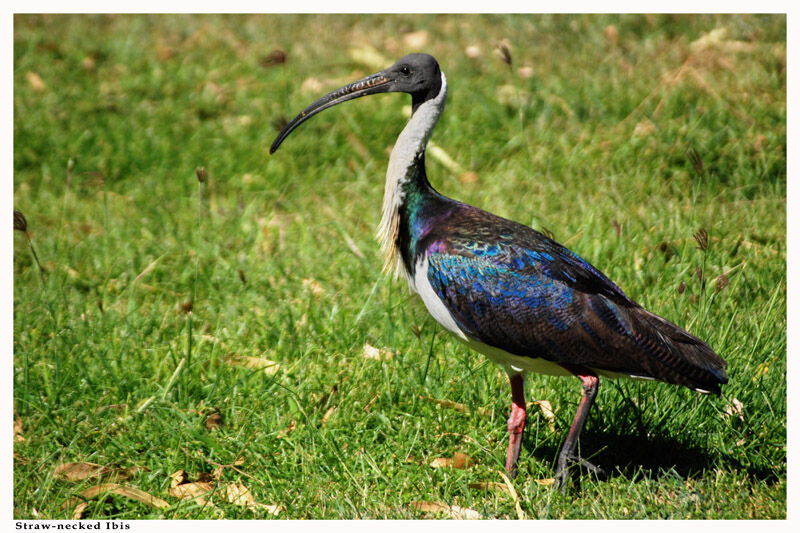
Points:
(436, 308)
(512, 364)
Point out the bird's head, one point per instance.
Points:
(416, 74)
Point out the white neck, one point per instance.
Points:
(409, 145)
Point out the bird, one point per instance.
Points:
(507, 291)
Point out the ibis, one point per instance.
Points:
(507, 291)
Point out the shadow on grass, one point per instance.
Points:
(655, 456)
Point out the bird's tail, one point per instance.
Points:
(677, 356)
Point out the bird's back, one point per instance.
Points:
(512, 288)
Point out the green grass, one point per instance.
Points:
(152, 283)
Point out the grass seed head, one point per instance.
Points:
(201, 174)
(503, 50)
(702, 239)
(272, 59)
(20, 224)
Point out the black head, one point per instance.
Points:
(415, 74)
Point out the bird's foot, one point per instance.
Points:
(563, 470)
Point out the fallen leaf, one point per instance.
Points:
(462, 461)
(120, 490)
(291, 427)
(328, 414)
(547, 412)
(378, 354)
(238, 494)
(612, 34)
(441, 462)
(178, 477)
(214, 420)
(18, 430)
(460, 407)
(451, 511)
(314, 286)
(254, 363)
(77, 513)
(490, 486)
(735, 408)
(273, 509)
(82, 470)
(546, 482)
(643, 128)
(196, 491)
(459, 460)
(513, 492)
(79, 471)
(35, 81)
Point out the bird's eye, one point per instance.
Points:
(405, 71)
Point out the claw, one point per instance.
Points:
(563, 469)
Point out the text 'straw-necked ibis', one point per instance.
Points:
(506, 290)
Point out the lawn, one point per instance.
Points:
(230, 347)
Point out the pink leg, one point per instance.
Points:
(516, 422)
(590, 383)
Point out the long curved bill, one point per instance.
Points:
(376, 83)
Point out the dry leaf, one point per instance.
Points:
(643, 128)
(79, 471)
(460, 407)
(462, 461)
(193, 491)
(35, 81)
(547, 411)
(546, 482)
(314, 286)
(291, 427)
(254, 363)
(328, 414)
(735, 408)
(273, 509)
(378, 354)
(491, 486)
(178, 477)
(451, 511)
(238, 494)
(214, 420)
(441, 462)
(459, 461)
(77, 513)
(18, 430)
(121, 490)
(612, 34)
